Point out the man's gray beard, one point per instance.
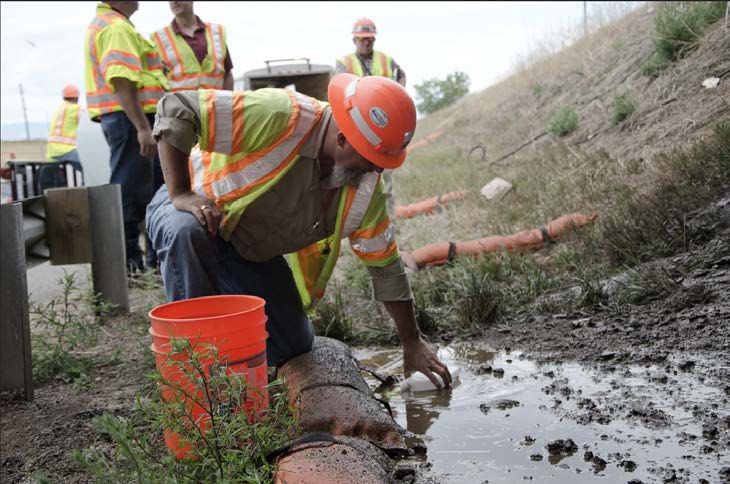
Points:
(341, 176)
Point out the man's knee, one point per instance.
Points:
(184, 235)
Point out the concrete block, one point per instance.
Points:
(496, 189)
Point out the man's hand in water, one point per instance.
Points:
(420, 357)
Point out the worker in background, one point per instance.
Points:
(65, 124)
(299, 178)
(368, 62)
(62, 141)
(124, 82)
(195, 54)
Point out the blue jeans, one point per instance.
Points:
(195, 264)
(72, 157)
(138, 176)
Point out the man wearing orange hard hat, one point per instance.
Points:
(261, 205)
(366, 61)
(65, 124)
(62, 140)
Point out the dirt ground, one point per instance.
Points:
(39, 438)
(686, 331)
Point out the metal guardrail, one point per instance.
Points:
(26, 177)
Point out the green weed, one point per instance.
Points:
(331, 318)
(677, 28)
(64, 328)
(232, 447)
(537, 90)
(623, 107)
(652, 222)
(564, 121)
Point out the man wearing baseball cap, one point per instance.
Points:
(261, 206)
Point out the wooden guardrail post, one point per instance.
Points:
(85, 225)
(108, 262)
(16, 365)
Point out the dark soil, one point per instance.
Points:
(39, 438)
(685, 332)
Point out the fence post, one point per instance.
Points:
(16, 364)
(108, 265)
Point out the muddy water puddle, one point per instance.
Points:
(635, 422)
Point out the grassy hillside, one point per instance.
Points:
(646, 151)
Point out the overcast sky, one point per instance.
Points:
(42, 42)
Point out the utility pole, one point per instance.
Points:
(25, 116)
(585, 18)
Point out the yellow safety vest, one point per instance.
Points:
(249, 140)
(184, 70)
(114, 48)
(381, 65)
(62, 136)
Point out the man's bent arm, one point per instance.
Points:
(416, 353)
(126, 92)
(177, 123)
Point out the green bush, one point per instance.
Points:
(65, 326)
(623, 107)
(563, 121)
(644, 225)
(231, 449)
(434, 94)
(537, 90)
(677, 27)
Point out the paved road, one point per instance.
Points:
(43, 280)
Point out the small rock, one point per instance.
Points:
(484, 368)
(528, 440)
(498, 372)
(536, 457)
(711, 82)
(598, 463)
(628, 465)
(562, 447)
(420, 449)
(608, 355)
(687, 365)
(725, 473)
(402, 472)
(710, 431)
(587, 456)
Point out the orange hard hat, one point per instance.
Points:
(376, 115)
(70, 91)
(364, 27)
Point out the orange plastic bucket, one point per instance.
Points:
(236, 327)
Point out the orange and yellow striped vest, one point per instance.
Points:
(184, 70)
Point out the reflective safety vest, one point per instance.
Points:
(380, 66)
(114, 48)
(185, 72)
(62, 136)
(249, 140)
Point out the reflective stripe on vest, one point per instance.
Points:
(311, 266)
(99, 96)
(231, 176)
(380, 65)
(186, 73)
(225, 136)
(62, 136)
